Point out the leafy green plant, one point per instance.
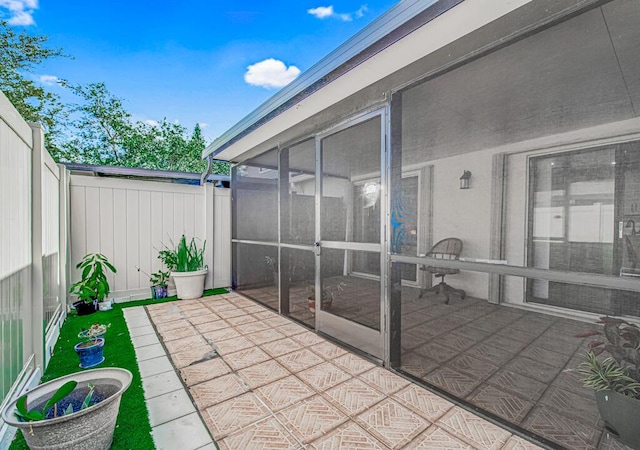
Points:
(159, 278)
(188, 257)
(168, 258)
(621, 371)
(93, 284)
(63, 391)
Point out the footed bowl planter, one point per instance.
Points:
(620, 414)
(91, 428)
(189, 285)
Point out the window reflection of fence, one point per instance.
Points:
(51, 288)
(14, 290)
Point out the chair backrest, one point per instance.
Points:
(449, 248)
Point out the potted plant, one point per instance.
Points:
(616, 379)
(74, 411)
(327, 296)
(272, 263)
(90, 349)
(159, 281)
(93, 286)
(190, 271)
(94, 331)
(168, 258)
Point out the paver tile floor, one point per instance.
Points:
(520, 365)
(261, 381)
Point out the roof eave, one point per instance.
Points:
(396, 23)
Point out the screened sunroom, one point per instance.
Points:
(460, 186)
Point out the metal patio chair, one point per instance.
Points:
(446, 249)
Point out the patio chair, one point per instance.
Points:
(446, 249)
(632, 256)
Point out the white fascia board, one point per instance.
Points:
(459, 21)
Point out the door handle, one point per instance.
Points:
(316, 246)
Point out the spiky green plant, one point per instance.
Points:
(189, 257)
(608, 375)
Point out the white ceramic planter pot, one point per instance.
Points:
(189, 284)
(90, 428)
(171, 287)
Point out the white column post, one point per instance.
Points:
(63, 264)
(209, 220)
(37, 301)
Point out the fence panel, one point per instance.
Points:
(129, 221)
(15, 245)
(50, 239)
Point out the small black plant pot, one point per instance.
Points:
(84, 308)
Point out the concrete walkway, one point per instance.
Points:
(252, 379)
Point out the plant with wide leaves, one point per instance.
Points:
(93, 284)
(63, 391)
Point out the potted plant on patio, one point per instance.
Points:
(90, 349)
(74, 411)
(327, 296)
(616, 378)
(190, 271)
(93, 286)
(159, 282)
(168, 258)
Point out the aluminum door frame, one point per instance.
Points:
(351, 333)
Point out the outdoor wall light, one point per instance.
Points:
(465, 180)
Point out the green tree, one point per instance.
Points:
(98, 129)
(105, 134)
(20, 55)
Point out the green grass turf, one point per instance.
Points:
(132, 427)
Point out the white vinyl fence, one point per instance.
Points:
(31, 262)
(129, 221)
(49, 219)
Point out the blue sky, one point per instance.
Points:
(188, 60)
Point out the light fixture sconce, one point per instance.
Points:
(465, 180)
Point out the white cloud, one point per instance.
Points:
(325, 12)
(49, 80)
(271, 73)
(204, 125)
(321, 12)
(20, 11)
(360, 13)
(151, 122)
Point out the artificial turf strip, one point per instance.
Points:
(132, 426)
